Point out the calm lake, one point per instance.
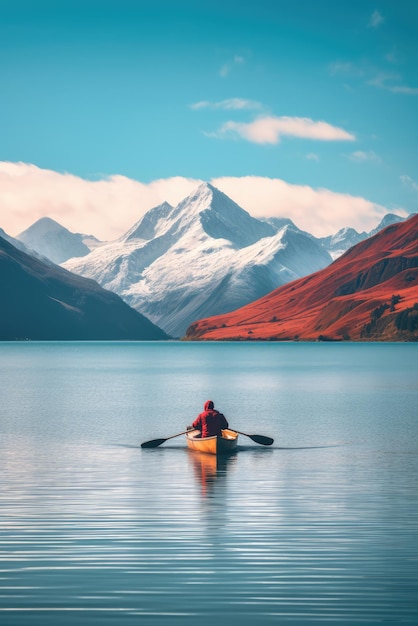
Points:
(320, 528)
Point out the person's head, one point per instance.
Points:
(209, 405)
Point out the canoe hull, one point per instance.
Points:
(226, 444)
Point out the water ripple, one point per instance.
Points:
(111, 534)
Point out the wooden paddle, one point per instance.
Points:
(154, 443)
(261, 439)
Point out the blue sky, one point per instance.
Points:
(321, 95)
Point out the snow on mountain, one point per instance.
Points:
(53, 241)
(388, 220)
(346, 238)
(153, 224)
(202, 257)
(90, 241)
(369, 294)
(278, 222)
(24, 248)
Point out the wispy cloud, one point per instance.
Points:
(312, 157)
(386, 81)
(361, 157)
(389, 81)
(237, 104)
(107, 208)
(227, 67)
(269, 130)
(411, 91)
(346, 68)
(392, 56)
(409, 182)
(376, 19)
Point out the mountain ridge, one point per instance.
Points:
(201, 259)
(49, 238)
(363, 295)
(46, 302)
(50, 242)
(205, 256)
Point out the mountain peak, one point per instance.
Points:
(205, 255)
(41, 226)
(52, 240)
(150, 224)
(387, 220)
(202, 195)
(205, 187)
(221, 217)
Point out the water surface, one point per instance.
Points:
(320, 528)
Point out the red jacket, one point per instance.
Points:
(210, 422)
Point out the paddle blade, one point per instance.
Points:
(264, 441)
(154, 443)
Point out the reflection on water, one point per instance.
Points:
(174, 536)
(95, 530)
(210, 470)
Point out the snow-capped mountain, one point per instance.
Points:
(388, 220)
(57, 243)
(346, 238)
(279, 222)
(369, 294)
(341, 241)
(203, 257)
(24, 248)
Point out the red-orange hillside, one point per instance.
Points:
(367, 294)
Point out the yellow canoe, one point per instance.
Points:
(213, 445)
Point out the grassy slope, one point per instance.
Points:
(337, 302)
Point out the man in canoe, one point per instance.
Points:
(210, 422)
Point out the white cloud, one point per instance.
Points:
(376, 19)
(107, 208)
(319, 211)
(269, 130)
(360, 156)
(229, 104)
(312, 157)
(409, 182)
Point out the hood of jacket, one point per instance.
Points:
(209, 405)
